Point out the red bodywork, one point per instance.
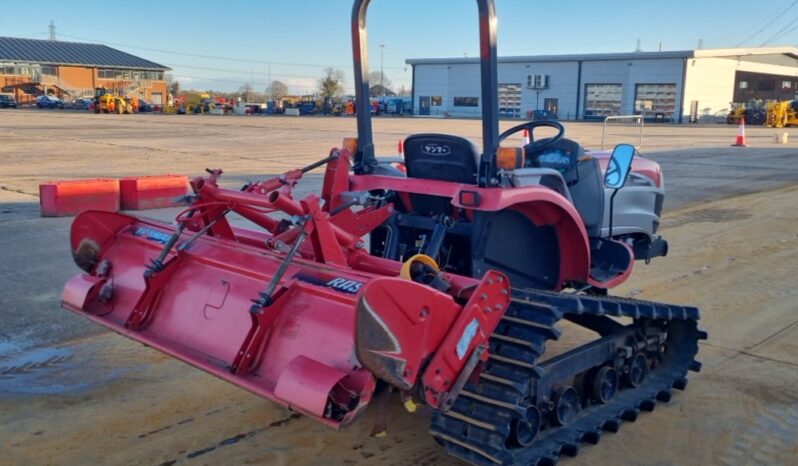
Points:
(298, 348)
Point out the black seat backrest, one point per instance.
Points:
(439, 157)
(588, 195)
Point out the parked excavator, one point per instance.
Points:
(444, 283)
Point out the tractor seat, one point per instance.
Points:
(439, 157)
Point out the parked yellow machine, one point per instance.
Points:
(197, 102)
(108, 102)
(754, 112)
(782, 114)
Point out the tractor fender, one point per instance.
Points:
(544, 207)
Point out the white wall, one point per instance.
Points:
(710, 81)
(629, 73)
(562, 85)
(462, 80)
(431, 80)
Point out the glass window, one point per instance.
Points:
(786, 85)
(510, 100)
(767, 84)
(436, 101)
(466, 101)
(655, 99)
(743, 84)
(49, 70)
(602, 100)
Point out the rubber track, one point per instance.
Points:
(476, 427)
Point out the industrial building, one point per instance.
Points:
(672, 86)
(30, 67)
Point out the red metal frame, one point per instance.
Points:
(297, 350)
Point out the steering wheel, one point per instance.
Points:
(530, 126)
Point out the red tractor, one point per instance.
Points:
(445, 283)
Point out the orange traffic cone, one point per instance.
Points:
(400, 148)
(740, 141)
(526, 137)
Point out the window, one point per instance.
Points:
(49, 70)
(655, 99)
(106, 73)
(466, 101)
(767, 84)
(602, 100)
(436, 101)
(743, 84)
(786, 85)
(510, 100)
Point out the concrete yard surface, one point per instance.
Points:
(72, 393)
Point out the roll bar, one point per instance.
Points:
(365, 159)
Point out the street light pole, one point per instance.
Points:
(382, 86)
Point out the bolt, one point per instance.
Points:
(498, 307)
(483, 297)
(488, 310)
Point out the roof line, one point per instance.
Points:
(699, 53)
(65, 53)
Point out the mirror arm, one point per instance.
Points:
(612, 205)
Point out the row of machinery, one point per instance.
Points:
(441, 283)
(773, 114)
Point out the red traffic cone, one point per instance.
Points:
(740, 141)
(400, 148)
(526, 137)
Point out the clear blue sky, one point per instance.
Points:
(301, 37)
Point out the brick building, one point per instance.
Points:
(30, 67)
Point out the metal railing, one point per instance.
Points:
(622, 128)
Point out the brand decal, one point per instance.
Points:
(432, 148)
(152, 235)
(345, 285)
(341, 284)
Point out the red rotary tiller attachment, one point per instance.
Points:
(298, 311)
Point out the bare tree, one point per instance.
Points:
(331, 84)
(172, 85)
(277, 90)
(377, 78)
(245, 91)
(403, 91)
(376, 91)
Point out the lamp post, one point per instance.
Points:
(382, 86)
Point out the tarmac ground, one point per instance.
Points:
(73, 393)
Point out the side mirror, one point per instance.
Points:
(619, 166)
